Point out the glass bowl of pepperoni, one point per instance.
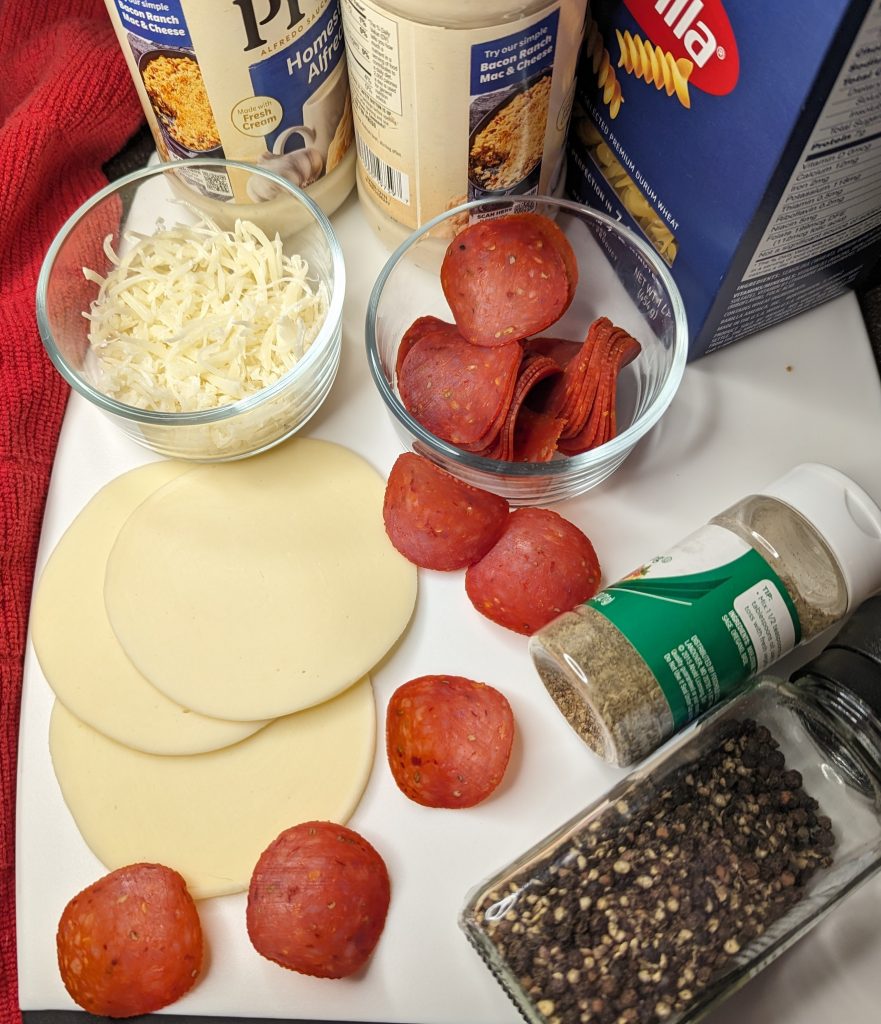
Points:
(203, 322)
(526, 345)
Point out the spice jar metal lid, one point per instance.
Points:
(851, 662)
(852, 659)
(849, 670)
(844, 515)
(862, 631)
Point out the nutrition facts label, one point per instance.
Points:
(834, 198)
(373, 51)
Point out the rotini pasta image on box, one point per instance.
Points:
(743, 141)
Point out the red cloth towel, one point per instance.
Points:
(67, 104)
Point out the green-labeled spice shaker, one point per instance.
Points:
(650, 653)
(708, 861)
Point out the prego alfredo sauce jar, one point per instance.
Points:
(254, 81)
(457, 101)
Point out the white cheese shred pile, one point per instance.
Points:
(197, 317)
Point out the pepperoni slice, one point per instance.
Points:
(572, 397)
(561, 350)
(503, 281)
(536, 435)
(533, 370)
(458, 391)
(448, 740)
(555, 237)
(131, 942)
(600, 425)
(436, 520)
(420, 327)
(543, 565)
(318, 900)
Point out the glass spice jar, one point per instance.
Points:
(650, 653)
(705, 864)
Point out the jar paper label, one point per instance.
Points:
(255, 82)
(444, 114)
(705, 616)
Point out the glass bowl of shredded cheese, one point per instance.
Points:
(206, 328)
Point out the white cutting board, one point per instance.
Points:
(807, 390)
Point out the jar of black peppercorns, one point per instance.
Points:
(707, 862)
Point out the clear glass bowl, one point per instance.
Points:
(619, 277)
(178, 193)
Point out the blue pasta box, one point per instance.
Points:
(743, 141)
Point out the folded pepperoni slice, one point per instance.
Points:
(318, 900)
(448, 740)
(420, 327)
(504, 281)
(541, 566)
(457, 390)
(437, 521)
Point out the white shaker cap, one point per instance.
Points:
(844, 515)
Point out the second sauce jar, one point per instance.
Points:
(457, 101)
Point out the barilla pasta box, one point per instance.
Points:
(743, 140)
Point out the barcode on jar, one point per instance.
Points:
(214, 184)
(392, 181)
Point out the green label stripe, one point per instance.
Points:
(703, 633)
(689, 589)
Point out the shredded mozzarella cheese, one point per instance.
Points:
(197, 317)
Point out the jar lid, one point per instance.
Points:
(848, 670)
(853, 658)
(862, 631)
(844, 515)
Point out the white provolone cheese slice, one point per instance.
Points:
(211, 815)
(252, 589)
(78, 651)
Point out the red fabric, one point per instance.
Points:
(67, 104)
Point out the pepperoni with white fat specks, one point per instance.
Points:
(318, 900)
(556, 238)
(131, 942)
(541, 566)
(421, 326)
(504, 280)
(436, 520)
(456, 390)
(448, 740)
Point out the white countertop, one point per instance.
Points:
(807, 390)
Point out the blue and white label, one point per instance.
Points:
(160, 21)
(301, 77)
(503, 63)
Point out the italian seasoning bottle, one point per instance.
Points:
(707, 862)
(648, 654)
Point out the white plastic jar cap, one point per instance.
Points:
(844, 515)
